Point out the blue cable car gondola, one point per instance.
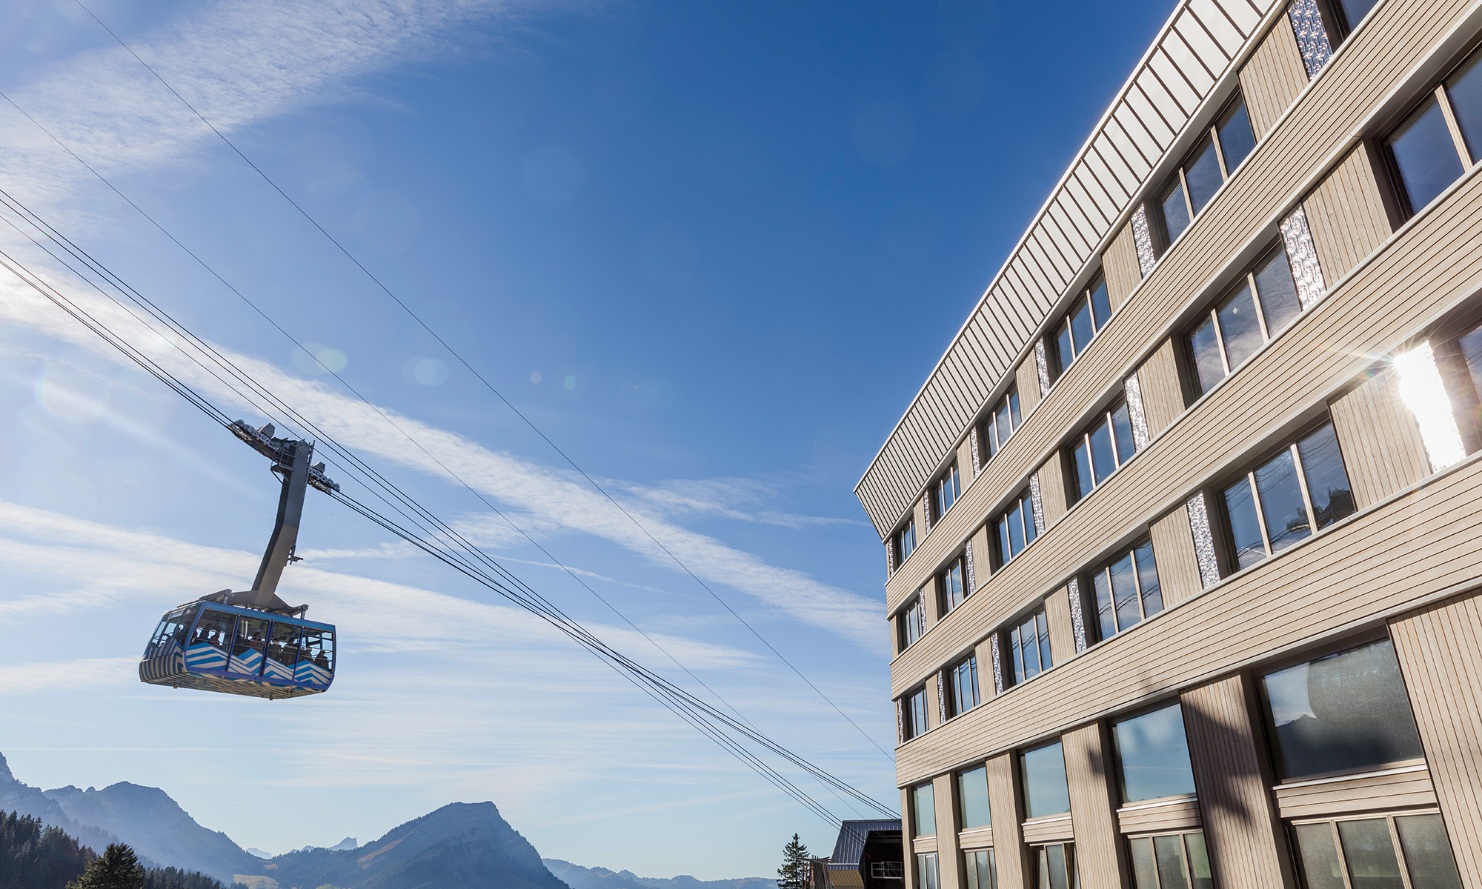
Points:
(252, 642)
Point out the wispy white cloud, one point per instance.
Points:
(55, 676)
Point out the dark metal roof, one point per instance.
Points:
(852, 838)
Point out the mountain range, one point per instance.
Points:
(463, 845)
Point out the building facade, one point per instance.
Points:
(1182, 533)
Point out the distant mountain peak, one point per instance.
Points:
(5, 775)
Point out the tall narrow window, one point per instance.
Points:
(1002, 422)
(905, 542)
(1099, 450)
(1054, 866)
(982, 870)
(926, 871)
(923, 810)
(913, 715)
(1171, 861)
(1303, 488)
(1427, 156)
(1014, 529)
(1083, 320)
(972, 791)
(1042, 772)
(945, 492)
(1346, 712)
(912, 623)
(962, 686)
(1125, 591)
(1029, 647)
(950, 588)
(1226, 143)
(1259, 307)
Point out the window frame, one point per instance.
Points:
(1057, 363)
(909, 729)
(939, 488)
(1438, 93)
(952, 702)
(1036, 850)
(1008, 405)
(1247, 279)
(1153, 205)
(1389, 817)
(1028, 529)
(940, 580)
(898, 540)
(1225, 544)
(913, 614)
(1090, 605)
(1119, 771)
(882, 870)
(1070, 450)
(1010, 632)
(1188, 867)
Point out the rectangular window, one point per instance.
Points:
(1255, 310)
(1083, 320)
(951, 590)
(1346, 712)
(1002, 422)
(923, 810)
(1227, 142)
(1172, 861)
(962, 689)
(905, 542)
(981, 869)
(1426, 153)
(1303, 488)
(1357, 853)
(1042, 771)
(1028, 643)
(1125, 591)
(887, 870)
(1100, 449)
(913, 715)
(1054, 866)
(926, 871)
(1014, 529)
(944, 493)
(972, 791)
(1153, 755)
(912, 623)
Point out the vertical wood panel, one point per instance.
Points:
(908, 829)
(965, 459)
(1273, 77)
(1246, 842)
(1052, 489)
(1119, 264)
(1088, 768)
(1008, 816)
(1347, 214)
(1178, 564)
(949, 860)
(1437, 649)
(1381, 444)
(1162, 390)
(981, 567)
(1062, 631)
(1026, 378)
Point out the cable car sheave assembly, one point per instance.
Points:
(252, 642)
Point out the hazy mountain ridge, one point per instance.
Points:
(578, 877)
(27, 800)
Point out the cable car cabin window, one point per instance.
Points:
(171, 630)
(213, 637)
(316, 657)
(282, 652)
(248, 647)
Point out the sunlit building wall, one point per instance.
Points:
(1182, 532)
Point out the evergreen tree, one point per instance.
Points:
(793, 874)
(36, 857)
(119, 868)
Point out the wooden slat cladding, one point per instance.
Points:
(1421, 544)
(1173, 552)
(1162, 390)
(1160, 817)
(1438, 652)
(975, 838)
(1062, 636)
(1026, 379)
(1246, 847)
(1185, 64)
(1381, 443)
(1052, 489)
(949, 861)
(1273, 77)
(1421, 271)
(1394, 789)
(1088, 768)
(1120, 266)
(1048, 830)
(1347, 214)
(1008, 811)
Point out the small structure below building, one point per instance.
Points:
(868, 855)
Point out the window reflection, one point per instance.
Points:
(1153, 755)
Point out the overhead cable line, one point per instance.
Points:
(480, 377)
(138, 298)
(704, 717)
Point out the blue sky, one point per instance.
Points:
(710, 248)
